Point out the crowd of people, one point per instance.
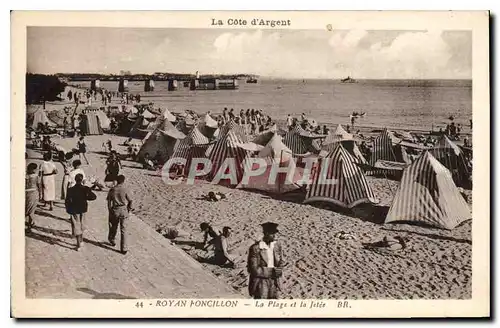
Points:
(89, 96)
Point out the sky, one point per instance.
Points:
(271, 53)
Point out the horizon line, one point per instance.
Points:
(262, 76)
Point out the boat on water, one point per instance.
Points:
(348, 80)
(356, 114)
(251, 80)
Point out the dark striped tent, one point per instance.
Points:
(299, 141)
(383, 150)
(428, 195)
(90, 124)
(349, 188)
(193, 146)
(452, 157)
(226, 147)
(162, 140)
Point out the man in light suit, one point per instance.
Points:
(265, 265)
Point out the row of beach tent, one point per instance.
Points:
(427, 192)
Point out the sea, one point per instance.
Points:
(417, 105)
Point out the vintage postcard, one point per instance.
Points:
(250, 164)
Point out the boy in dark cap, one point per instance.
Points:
(265, 265)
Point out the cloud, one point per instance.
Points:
(278, 53)
(410, 55)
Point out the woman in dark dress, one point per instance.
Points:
(82, 149)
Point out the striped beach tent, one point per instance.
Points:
(193, 146)
(340, 135)
(452, 157)
(90, 124)
(295, 140)
(340, 181)
(226, 150)
(162, 140)
(428, 195)
(382, 148)
(276, 155)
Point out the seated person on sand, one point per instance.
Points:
(221, 250)
(388, 243)
(127, 142)
(214, 196)
(158, 159)
(208, 232)
(178, 170)
(147, 163)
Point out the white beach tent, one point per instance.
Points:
(340, 181)
(210, 122)
(40, 116)
(428, 195)
(168, 115)
(148, 115)
(340, 135)
(276, 155)
(103, 119)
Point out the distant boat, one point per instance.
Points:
(348, 80)
(356, 114)
(251, 80)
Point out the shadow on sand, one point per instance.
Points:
(49, 215)
(49, 240)
(100, 296)
(431, 235)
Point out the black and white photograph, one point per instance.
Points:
(252, 163)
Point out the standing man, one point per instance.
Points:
(119, 206)
(265, 265)
(77, 205)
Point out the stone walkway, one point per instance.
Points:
(153, 267)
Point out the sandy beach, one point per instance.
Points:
(436, 264)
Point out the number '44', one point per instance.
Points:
(138, 304)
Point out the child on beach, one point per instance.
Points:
(82, 149)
